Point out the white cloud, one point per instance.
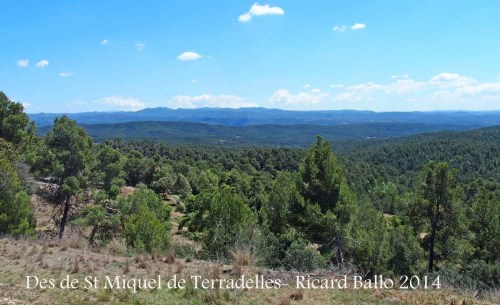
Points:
(26, 106)
(189, 56)
(42, 63)
(306, 86)
(122, 102)
(405, 85)
(66, 74)
(23, 63)
(339, 28)
(444, 91)
(305, 98)
(359, 92)
(403, 76)
(358, 26)
(450, 80)
(260, 10)
(140, 46)
(105, 42)
(207, 100)
(336, 86)
(245, 17)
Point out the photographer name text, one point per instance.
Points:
(243, 282)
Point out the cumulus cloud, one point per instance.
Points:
(105, 42)
(339, 28)
(207, 100)
(66, 74)
(450, 80)
(122, 102)
(26, 106)
(405, 85)
(42, 63)
(283, 96)
(358, 26)
(189, 56)
(354, 27)
(359, 92)
(260, 10)
(336, 86)
(23, 63)
(140, 46)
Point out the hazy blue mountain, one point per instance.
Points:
(263, 116)
(256, 135)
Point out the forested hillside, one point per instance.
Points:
(256, 135)
(426, 205)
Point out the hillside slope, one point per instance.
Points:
(255, 135)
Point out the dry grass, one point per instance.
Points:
(51, 258)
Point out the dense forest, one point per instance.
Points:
(256, 135)
(425, 204)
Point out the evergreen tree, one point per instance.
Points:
(324, 183)
(69, 146)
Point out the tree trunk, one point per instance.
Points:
(92, 235)
(64, 219)
(431, 249)
(340, 249)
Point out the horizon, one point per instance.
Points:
(264, 108)
(74, 57)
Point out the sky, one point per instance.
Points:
(126, 55)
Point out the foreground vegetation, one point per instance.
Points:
(401, 208)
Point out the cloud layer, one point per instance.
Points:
(283, 96)
(443, 91)
(122, 102)
(207, 100)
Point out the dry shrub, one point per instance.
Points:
(138, 259)
(242, 257)
(142, 265)
(179, 266)
(45, 249)
(76, 267)
(297, 295)
(215, 272)
(126, 268)
(170, 258)
(39, 258)
(283, 301)
(116, 247)
(52, 244)
(74, 243)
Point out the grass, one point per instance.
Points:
(54, 259)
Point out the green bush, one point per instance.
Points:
(301, 256)
(146, 221)
(144, 231)
(16, 211)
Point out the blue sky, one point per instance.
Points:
(88, 55)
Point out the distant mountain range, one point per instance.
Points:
(264, 116)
